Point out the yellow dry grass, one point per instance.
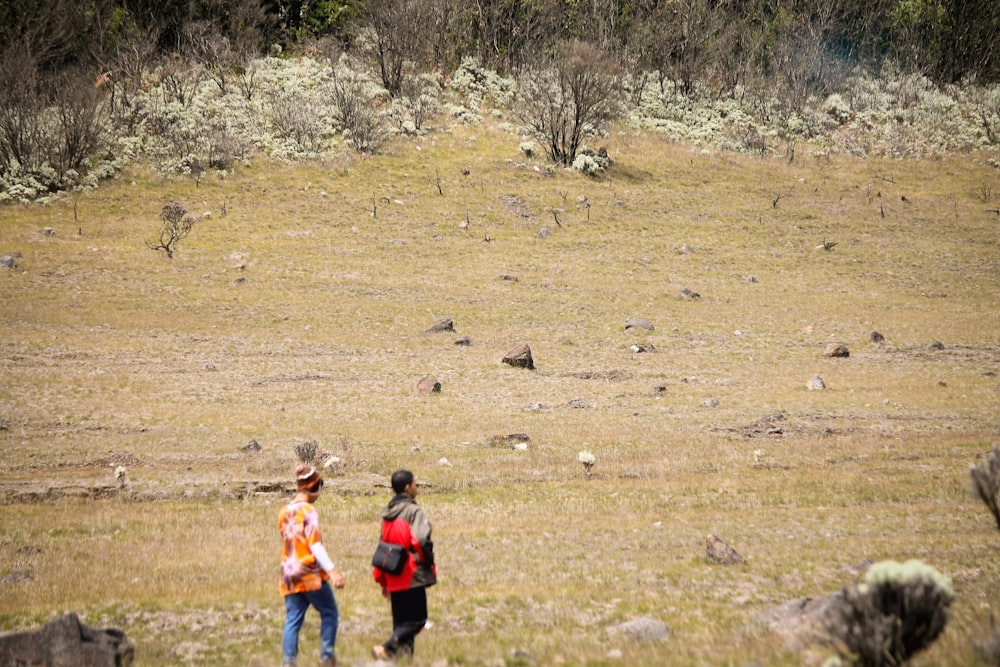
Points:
(297, 312)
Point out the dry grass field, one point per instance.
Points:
(297, 312)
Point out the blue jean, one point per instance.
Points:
(296, 606)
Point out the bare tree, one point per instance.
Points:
(396, 33)
(177, 224)
(568, 97)
(506, 30)
(80, 121)
(355, 113)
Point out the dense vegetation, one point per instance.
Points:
(87, 87)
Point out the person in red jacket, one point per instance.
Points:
(405, 523)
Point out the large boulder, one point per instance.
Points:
(66, 642)
(519, 356)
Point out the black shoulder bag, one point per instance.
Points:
(390, 558)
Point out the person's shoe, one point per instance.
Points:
(329, 661)
(379, 652)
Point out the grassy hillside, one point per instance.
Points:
(297, 312)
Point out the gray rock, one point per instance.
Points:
(720, 552)
(8, 262)
(428, 385)
(638, 323)
(815, 384)
(519, 356)
(66, 642)
(836, 350)
(804, 621)
(444, 325)
(642, 630)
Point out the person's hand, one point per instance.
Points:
(336, 579)
(385, 593)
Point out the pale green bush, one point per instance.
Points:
(898, 610)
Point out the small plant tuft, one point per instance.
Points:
(307, 451)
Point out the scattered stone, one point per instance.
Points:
(332, 463)
(710, 403)
(638, 323)
(428, 385)
(772, 424)
(444, 325)
(836, 350)
(937, 345)
(443, 461)
(578, 403)
(508, 278)
(519, 356)
(209, 366)
(520, 447)
(66, 642)
(543, 233)
(464, 340)
(690, 294)
(876, 338)
(720, 552)
(15, 577)
(815, 384)
(686, 249)
(643, 347)
(803, 621)
(519, 656)
(642, 630)
(8, 262)
(252, 446)
(750, 279)
(508, 440)
(48, 231)
(659, 389)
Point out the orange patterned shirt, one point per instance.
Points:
(299, 526)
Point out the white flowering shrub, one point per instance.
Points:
(179, 121)
(475, 86)
(837, 108)
(419, 101)
(590, 162)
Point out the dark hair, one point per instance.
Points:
(401, 479)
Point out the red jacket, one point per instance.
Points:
(405, 523)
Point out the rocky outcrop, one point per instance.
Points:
(66, 642)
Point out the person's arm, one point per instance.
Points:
(420, 531)
(323, 558)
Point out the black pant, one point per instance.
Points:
(409, 615)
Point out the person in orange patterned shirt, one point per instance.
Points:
(307, 571)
